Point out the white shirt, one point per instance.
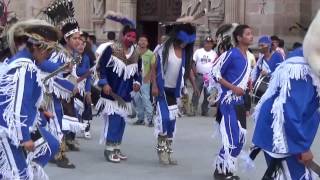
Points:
(204, 60)
(173, 68)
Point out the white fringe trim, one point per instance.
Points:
(309, 175)
(173, 112)
(8, 87)
(59, 56)
(72, 124)
(228, 163)
(243, 85)
(8, 167)
(81, 86)
(104, 133)
(158, 122)
(119, 67)
(53, 125)
(215, 75)
(280, 82)
(38, 172)
(55, 88)
(111, 107)
(78, 105)
(173, 115)
(55, 129)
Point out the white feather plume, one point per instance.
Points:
(311, 45)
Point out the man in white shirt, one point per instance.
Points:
(203, 59)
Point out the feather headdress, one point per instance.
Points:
(61, 13)
(311, 45)
(120, 18)
(224, 36)
(34, 31)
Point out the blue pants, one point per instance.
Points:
(291, 168)
(53, 144)
(233, 137)
(114, 129)
(232, 129)
(167, 108)
(13, 160)
(142, 103)
(58, 109)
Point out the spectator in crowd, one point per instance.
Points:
(278, 45)
(111, 36)
(142, 103)
(93, 41)
(203, 59)
(296, 45)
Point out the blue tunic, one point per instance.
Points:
(268, 65)
(233, 70)
(82, 69)
(27, 92)
(300, 115)
(118, 84)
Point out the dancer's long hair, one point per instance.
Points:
(173, 40)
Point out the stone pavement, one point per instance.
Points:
(195, 150)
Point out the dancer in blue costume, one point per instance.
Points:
(83, 99)
(268, 61)
(60, 90)
(230, 77)
(119, 69)
(172, 65)
(287, 117)
(20, 98)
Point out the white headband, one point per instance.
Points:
(71, 32)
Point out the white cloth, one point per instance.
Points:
(102, 47)
(204, 60)
(157, 48)
(172, 73)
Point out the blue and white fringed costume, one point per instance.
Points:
(287, 116)
(234, 68)
(83, 108)
(266, 65)
(167, 108)
(58, 89)
(120, 72)
(20, 97)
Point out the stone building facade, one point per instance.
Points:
(278, 17)
(285, 18)
(91, 14)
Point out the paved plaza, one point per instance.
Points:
(195, 150)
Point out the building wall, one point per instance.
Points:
(276, 17)
(26, 9)
(279, 17)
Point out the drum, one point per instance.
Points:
(260, 88)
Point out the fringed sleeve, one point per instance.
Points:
(20, 111)
(301, 116)
(104, 59)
